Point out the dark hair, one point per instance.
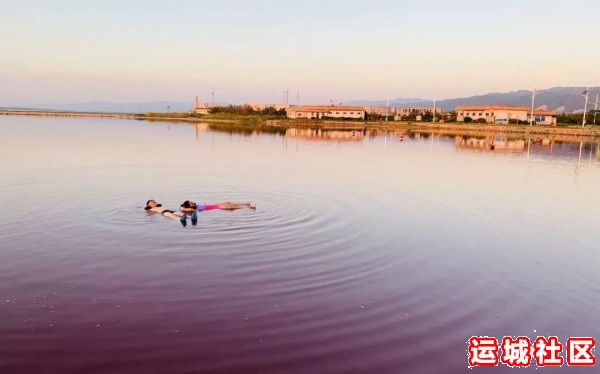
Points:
(186, 204)
(148, 205)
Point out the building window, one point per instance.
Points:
(344, 112)
(480, 114)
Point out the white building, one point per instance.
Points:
(324, 112)
(503, 114)
(382, 111)
(202, 108)
(415, 111)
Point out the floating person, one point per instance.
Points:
(190, 206)
(154, 207)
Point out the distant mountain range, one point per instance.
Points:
(557, 99)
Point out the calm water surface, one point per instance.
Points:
(368, 253)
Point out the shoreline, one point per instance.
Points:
(135, 116)
(456, 128)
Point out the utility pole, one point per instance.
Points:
(433, 118)
(586, 94)
(212, 96)
(387, 106)
(532, 103)
(595, 109)
(286, 96)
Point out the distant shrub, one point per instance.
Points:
(468, 120)
(246, 110)
(480, 120)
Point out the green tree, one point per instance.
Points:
(451, 116)
(427, 117)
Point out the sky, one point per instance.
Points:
(251, 51)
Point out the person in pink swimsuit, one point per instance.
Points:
(189, 207)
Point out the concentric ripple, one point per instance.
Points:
(378, 256)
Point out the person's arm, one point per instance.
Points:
(187, 210)
(171, 215)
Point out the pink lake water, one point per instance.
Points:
(368, 252)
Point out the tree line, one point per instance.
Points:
(247, 110)
(577, 119)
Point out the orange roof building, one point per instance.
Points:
(504, 114)
(326, 111)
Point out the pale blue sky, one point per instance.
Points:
(250, 51)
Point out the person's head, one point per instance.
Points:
(188, 204)
(151, 204)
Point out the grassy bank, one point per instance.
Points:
(215, 116)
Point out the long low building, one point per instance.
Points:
(503, 114)
(407, 111)
(331, 111)
(380, 110)
(417, 112)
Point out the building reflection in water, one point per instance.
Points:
(544, 147)
(491, 143)
(326, 135)
(531, 146)
(199, 128)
